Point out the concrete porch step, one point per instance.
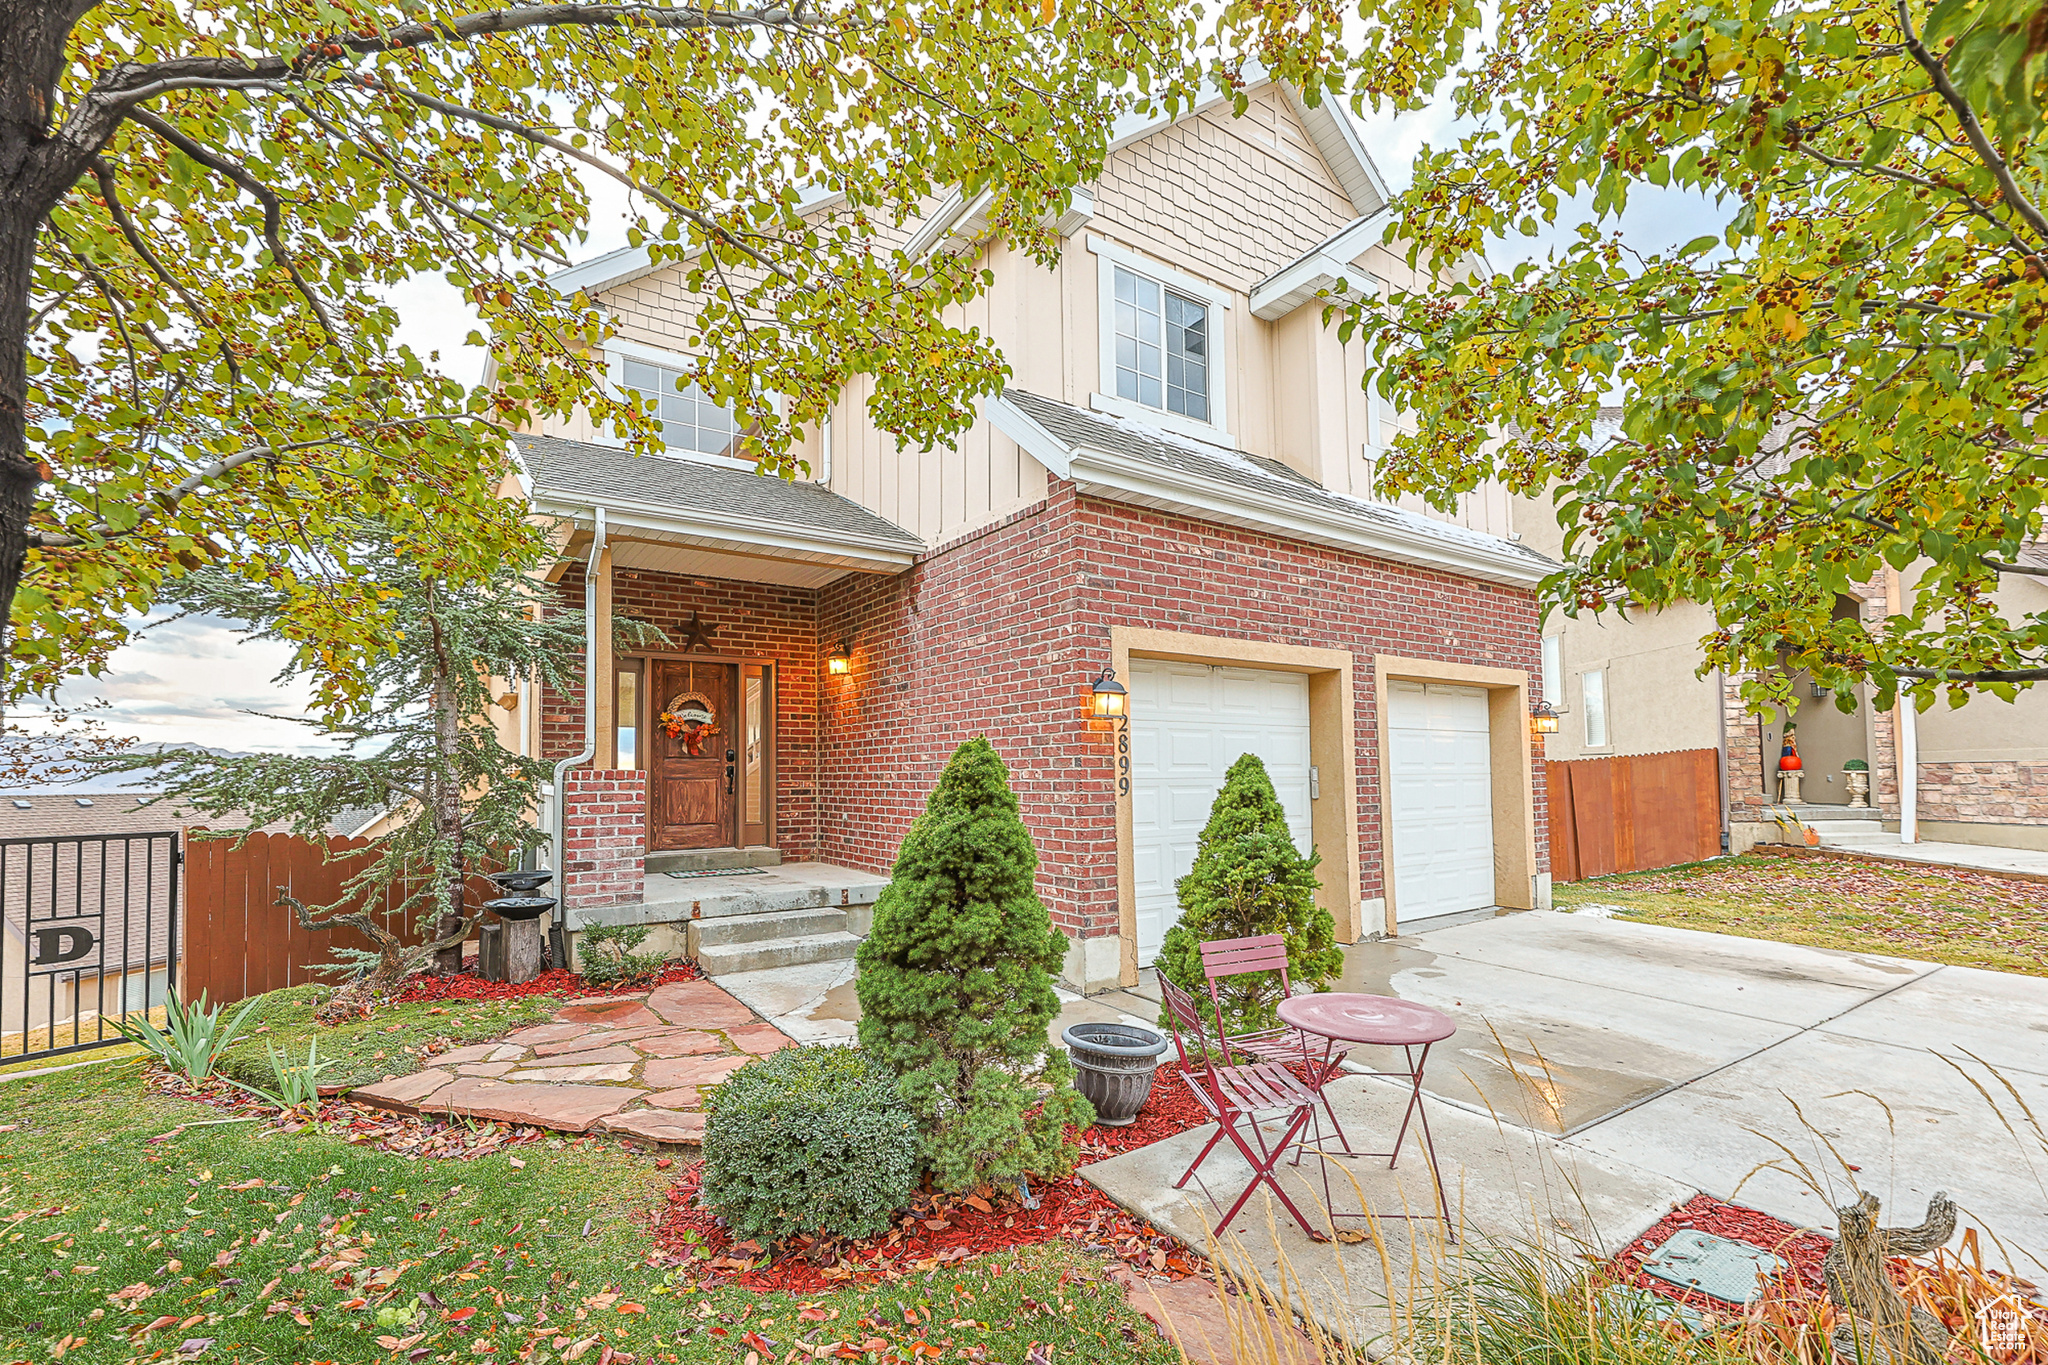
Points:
(765, 954)
(1811, 812)
(1874, 839)
(713, 859)
(719, 933)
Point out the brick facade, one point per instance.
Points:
(604, 839)
(752, 621)
(998, 634)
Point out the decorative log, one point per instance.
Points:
(1878, 1327)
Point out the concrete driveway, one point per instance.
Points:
(1602, 1070)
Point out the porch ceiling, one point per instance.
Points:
(698, 562)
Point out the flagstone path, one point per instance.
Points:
(632, 1064)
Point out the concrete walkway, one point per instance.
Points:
(1602, 1070)
(2026, 862)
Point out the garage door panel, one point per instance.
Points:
(1439, 769)
(1198, 720)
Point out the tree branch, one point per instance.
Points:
(273, 208)
(205, 474)
(1937, 72)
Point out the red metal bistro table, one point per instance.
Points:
(1344, 1021)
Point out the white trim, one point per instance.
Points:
(1329, 270)
(600, 273)
(724, 530)
(1021, 427)
(1110, 474)
(1329, 125)
(958, 220)
(1109, 255)
(1159, 419)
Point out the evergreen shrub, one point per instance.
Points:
(956, 989)
(1248, 879)
(605, 954)
(811, 1139)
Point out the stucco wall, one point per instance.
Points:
(1655, 701)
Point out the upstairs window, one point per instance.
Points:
(1162, 347)
(690, 421)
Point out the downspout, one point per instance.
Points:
(1721, 751)
(589, 750)
(1905, 732)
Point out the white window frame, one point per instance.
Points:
(1108, 256)
(1552, 681)
(1600, 712)
(616, 352)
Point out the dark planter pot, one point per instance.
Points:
(1113, 1067)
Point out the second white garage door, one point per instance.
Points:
(1189, 723)
(1440, 775)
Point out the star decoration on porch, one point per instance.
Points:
(696, 634)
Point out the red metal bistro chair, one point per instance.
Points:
(1287, 1045)
(1235, 1097)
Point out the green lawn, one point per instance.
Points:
(366, 1050)
(1964, 918)
(302, 1248)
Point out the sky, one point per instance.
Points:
(193, 681)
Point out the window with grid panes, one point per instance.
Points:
(689, 420)
(1162, 347)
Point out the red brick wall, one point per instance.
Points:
(752, 621)
(998, 634)
(604, 837)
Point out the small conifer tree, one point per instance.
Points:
(1248, 878)
(956, 985)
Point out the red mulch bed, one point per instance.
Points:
(941, 1229)
(1801, 1248)
(555, 981)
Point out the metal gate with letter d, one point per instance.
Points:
(90, 937)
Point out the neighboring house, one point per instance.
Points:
(1175, 487)
(1629, 681)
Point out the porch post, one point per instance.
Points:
(605, 673)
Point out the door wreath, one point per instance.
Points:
(691, 718)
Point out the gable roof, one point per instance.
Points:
(1114, 458)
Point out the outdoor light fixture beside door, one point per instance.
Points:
(1542, 719)
(840, 661)
(1109, 700)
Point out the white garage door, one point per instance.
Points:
(1441, 776)
(1189, 723)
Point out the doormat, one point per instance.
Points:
(709, 872)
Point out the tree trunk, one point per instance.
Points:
(447, 795)
(1878, 1326)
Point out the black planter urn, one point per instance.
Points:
(1113, 1067)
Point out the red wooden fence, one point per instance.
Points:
(1633, 813)
(239, 942)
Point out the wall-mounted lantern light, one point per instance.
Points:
(1820, 693)
(1106, 697)
(1542, 719)
(1109, 709)
(840, 661)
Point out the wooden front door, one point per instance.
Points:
(693, 774)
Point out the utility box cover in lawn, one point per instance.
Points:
(1731, 1271)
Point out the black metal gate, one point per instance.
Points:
(90, 937)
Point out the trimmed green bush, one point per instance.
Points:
(956, 989)
(1249, 879)
(809, 1140)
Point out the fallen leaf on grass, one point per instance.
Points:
(458, 1315)
(400, 1343)
(517, 1164)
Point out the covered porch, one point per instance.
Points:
(689, 775)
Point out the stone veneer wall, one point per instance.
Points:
(1988, 792)
(604, 839)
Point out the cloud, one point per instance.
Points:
(194, 680)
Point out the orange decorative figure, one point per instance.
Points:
(1788, 757)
